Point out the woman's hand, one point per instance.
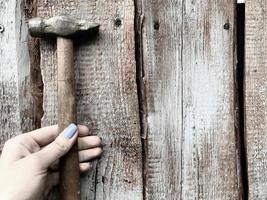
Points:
(29, 162)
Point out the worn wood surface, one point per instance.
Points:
(188, 66)
(16, 102)
(69, 183)
(106, 94)
(256, 97)
(185, 53)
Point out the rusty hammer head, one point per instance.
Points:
(61, 26)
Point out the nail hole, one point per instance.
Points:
(2, 28)
(226, 26)
(156, 25)
(118, 22)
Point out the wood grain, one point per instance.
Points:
(16, 100)
(188, 66)
(256, 97)
(106, 94)
(69, 164)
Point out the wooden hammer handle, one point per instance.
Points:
(69, 164)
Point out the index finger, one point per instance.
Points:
(46, 135)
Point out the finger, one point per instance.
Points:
(83, 131)
(89, 154)
(45, 135)
(28, 143)
(85, 167)
(51, 181)
(59, 147)
(89, 142)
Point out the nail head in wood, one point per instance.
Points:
(118, 22)
(226, 26)
(2, 28)
(156, 25)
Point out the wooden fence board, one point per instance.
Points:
(256, 97)
(16, 103)
(106, 94)
(188, 66)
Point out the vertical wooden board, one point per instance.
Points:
(15, 96)
(106, 94)
(256, 97)
(162, 40)
(210, 156)
(188, 62)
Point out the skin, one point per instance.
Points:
(29, 162)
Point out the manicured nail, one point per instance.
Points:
(70, 131)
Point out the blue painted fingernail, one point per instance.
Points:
(70, 131)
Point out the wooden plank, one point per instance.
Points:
(188, 65)
(16, 100)
(106, 94)
(256, 97)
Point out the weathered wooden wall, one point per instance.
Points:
(158, 85)
(256, 97)
(188, 64)
(16, 100)
(106, 94)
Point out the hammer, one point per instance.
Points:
(65, 28)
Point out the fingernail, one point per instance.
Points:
(70, 131)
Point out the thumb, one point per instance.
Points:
(59, 147)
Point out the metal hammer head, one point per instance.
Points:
(62, 26)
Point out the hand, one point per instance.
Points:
(29, 161)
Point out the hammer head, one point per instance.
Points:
(61, 26)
